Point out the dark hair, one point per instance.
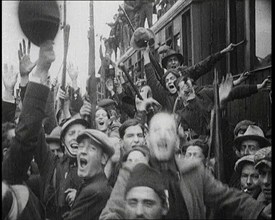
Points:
(128, 123)
(204, 147)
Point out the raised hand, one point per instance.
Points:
(9, 78)
(25, 64)
(86, 109)
(265, 85)
(242, 78)
(229, 48)
(62, 95)
(225, 87)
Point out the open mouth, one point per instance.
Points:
(74, 146)
(83, 162)
(162, 146)
(101, 123)
(171, 86)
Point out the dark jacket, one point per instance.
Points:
(198, 187)
(91, 198)
(162, 95)
(18, 158)
(196, 115)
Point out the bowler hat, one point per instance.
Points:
(140, 38)
(253, 132)
(168, 54)
(100, 138)
(263, 156)
(245, 159)
(39, 20)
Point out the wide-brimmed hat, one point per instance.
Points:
(243, 160)
(242, 125)
(100, 138)
(263, 156)
(168, 54)
(54, 136)
(141, 37)
(253, 132)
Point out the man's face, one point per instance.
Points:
(186, 90)
(101, 119)
(265, 178)
(56, 149)
(71, 144)
(145, 92)
(169, 83)
(163, 138)
(172, 62)
(143, 202)
(249, 147)
(249, 179)
(194, 151)
(133, 136)
(90, 158)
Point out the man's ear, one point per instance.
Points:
(104, 159)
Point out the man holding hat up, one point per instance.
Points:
(93, 152)
(164, 91)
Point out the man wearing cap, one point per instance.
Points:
(165, 91)
(190, 186)
(252, 140)
(145, 194)
(249, 176)
(263, 163)
(93, 152)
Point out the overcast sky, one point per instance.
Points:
(77, 18)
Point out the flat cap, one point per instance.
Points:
(263, 156)
(98, 137)
(243, 160)
(71, 122)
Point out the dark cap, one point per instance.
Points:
(143, 175)
(100, 138)
(263, 156)
(39, 20)
(140, 38)
(142, 148)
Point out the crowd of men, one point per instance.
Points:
(138, 12)
(146, 158)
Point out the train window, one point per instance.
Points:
(263, 31)
(177, 45)
(186, 39)
(169, 35)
